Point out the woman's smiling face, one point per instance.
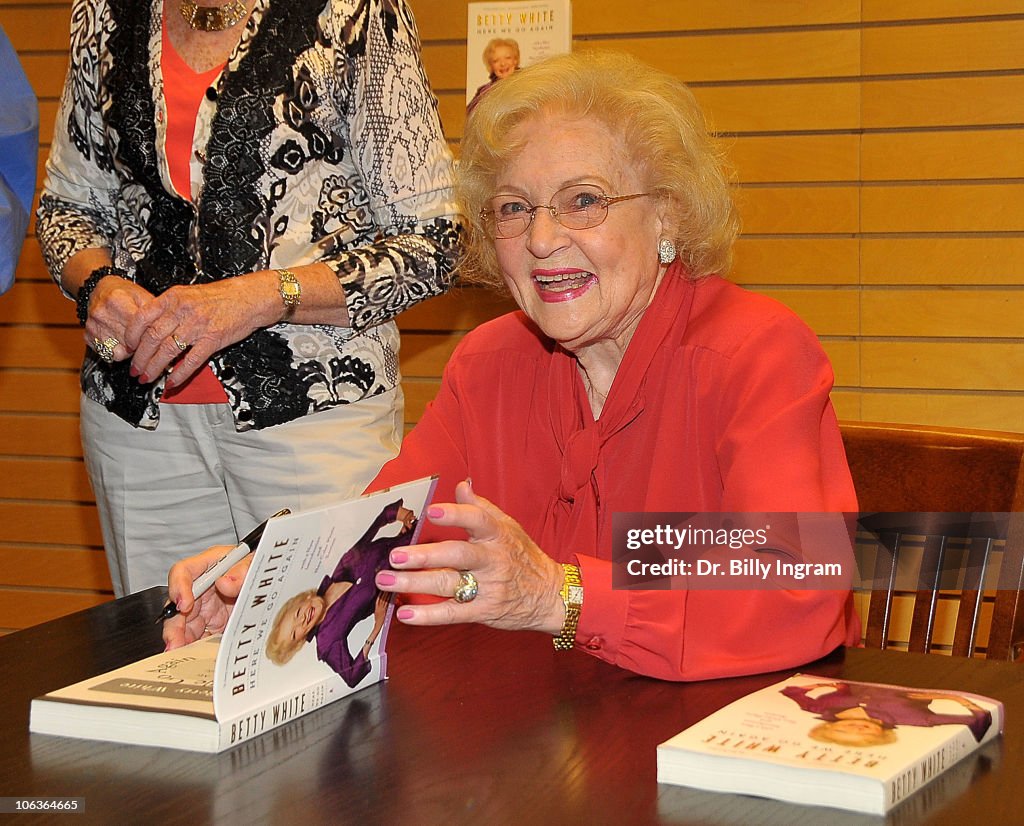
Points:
(582, 287)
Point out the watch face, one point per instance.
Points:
(290, 291)
(574, 594)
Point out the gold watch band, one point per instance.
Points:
(572, 596)
(291, 292)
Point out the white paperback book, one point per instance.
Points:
(308, 628)
(827, 742)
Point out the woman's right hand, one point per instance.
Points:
(209, 613)
(112, 306)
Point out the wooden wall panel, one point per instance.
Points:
(747, 56)
(963, 46)
(35, 302)
(844, 353)
(939, 156)
(952, 312)
(62, 480)
(40, 346)
(49, 523)
(424, 356)
(989, 100)
(445, 63)
(879, 176)
(21, 608)
(804, 260)
(794, 158)
(788, 210)
(877, 10)
(37, 30)
(829, 312)
(40, 566)
(46, 74)
(963, 208)
(847, 403)
(788, 107)
(40, 435)
(418, 394)
(938, 260)
(946, 365)
(986, 411)
(40, 391)
(446, 19)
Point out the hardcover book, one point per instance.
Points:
(308, 628)
(825, 742)
(504, 37)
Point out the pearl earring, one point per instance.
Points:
(666, 251)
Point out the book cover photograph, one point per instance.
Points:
(505, 37)
(814, 740)
(309, 627)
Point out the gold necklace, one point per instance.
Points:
(213, 18)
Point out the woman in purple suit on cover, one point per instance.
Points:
(343, 600)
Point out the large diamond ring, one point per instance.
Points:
(467, 590)
(105, 349)
(181, 345)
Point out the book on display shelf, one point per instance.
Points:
(813, 740)
(505, 37)
(308, 628)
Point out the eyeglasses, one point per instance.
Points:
(575, 207)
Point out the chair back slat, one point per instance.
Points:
(886, 549)
(926, 600)
(1007, 631)
(971, 598)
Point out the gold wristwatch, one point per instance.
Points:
(291, 292)
(572, 596)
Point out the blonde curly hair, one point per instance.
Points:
(660, 123)
(281, 651)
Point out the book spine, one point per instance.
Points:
(925, 769)
(256, 721)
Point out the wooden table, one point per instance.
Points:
(474, 726)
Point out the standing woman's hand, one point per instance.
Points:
(113, 305)
(186, 325)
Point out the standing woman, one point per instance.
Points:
(240, 198)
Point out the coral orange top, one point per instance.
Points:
(184, 90)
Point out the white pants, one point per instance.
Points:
(195, 481)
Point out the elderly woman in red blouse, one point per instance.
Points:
(635, 378)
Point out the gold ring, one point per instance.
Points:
(105, 349)
(468, 587)
(181, 345)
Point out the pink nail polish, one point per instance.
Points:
(386, 578)
(404, 613)
(435, 512)
(399, 557)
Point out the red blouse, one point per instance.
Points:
(721, 404)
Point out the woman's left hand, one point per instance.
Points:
(518, 584)
(186, 325)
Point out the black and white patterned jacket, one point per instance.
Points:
(320, 142)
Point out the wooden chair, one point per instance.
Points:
(947, 486)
